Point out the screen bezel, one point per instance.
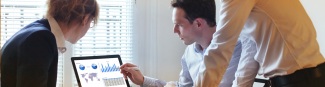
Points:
(94, 57)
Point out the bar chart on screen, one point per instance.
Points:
(107, 68)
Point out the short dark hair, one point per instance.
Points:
(205, 9)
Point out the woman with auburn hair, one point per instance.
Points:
(30, 57)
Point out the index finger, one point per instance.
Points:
(124, 74)
(127, 65)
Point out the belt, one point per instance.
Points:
(266, 82)
(303, 74)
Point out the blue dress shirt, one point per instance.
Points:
(191, 60)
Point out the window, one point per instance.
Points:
(112, 35)
(17, 14)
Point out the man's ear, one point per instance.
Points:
(199, 23)
(86, 19)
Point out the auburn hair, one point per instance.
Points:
(68, 10)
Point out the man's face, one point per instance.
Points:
(185, 30)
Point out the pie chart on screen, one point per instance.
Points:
(94, 66)
(81, 67)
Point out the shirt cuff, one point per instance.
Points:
(150, 82)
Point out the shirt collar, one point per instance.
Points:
(198, 48)
(59, 37)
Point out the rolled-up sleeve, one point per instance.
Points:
(233, 15)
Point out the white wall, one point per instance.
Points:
(162, 49)
(159, 50)
(170, 47)
(316, 11)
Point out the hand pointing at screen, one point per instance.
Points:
(135, 75)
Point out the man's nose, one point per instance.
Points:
(176, 29)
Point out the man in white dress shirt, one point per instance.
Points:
(286, 48)
(195, 24)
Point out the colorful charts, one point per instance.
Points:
(100, 73)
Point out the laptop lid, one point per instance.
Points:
(98, 71)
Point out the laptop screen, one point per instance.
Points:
(99, 72)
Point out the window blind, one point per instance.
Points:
(16, 14)
(113, 33)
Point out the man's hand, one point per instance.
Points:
(135, 75)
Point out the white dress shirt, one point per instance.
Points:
(283, 32)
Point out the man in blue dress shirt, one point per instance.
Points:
(195, 24)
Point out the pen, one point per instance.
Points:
(134, 68)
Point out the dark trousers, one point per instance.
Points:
(310, 77)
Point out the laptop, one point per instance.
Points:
(98, 71)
